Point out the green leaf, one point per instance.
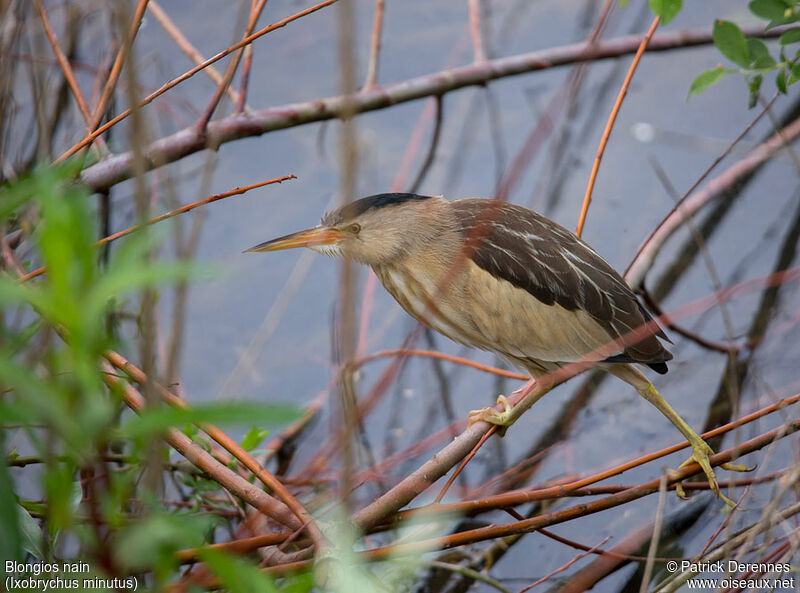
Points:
(666, 9)
(58, 480)
(790, 36)
(157, 420)
(150, 543)
(780, 81)
(759, 55)
(794, 76)
(237, 574)
(31, 534)
(772, 10)
(706, 79)
(10, 542)
(298, 583)
(754, 85)
(30, 185)
(73, 503)
(731, 43)
(253, 438)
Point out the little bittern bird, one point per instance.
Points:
(504, 279)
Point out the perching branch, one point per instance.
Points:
(190, 140)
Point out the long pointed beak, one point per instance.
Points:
(310, 237)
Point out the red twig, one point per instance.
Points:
(565, 566)
(442, 356)
(528, 525)
(170, 214)
(188, 74)
(525, 496)
(113, 77)
(247, 460)
(587, 198)
(374, 46)
(186, 46)
(63, 62)
(557, 104)
(255, 12)
(476, 32)
(188, 140)
(695, 200)
(464, 463)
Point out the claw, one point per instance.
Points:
(737, 467)
(700, 455)
(680, 491)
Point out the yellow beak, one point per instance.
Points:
(307, 238)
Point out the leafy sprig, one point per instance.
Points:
(751, 55)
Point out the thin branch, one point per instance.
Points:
(116, 69)
(654, 539)
(687, 333)
(587, 198)
(247, 460)
(476, 31)
(189, 140)
(186, 46)
(695, 199)
(581, 510)
(464, 463)
(183, 209)
(565, 566)
(248, 544)
(558, 103)
(225, 477)
(442, 356)
(431, 154)
(232, 66)
(374, 46)
(188, 74)
(470, 574)
(63, 62)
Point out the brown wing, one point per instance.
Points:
(552, 264)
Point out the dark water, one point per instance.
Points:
(232, 309)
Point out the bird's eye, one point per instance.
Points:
(354, 228)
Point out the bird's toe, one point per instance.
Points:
(700, 455)
(491, 415)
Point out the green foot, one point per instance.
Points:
(503, 419)
(700, 454)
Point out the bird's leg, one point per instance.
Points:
(700, 449)
(510, 414)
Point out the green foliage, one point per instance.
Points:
(57, 407)
(751, 55)
(253, 438)
(777, 12)
(10, 542)
(31, 538)
(151, 543)
(666, 9)
(731, 42)
(154, 421)
(238, 575)
(707, 79)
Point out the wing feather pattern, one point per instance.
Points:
(556, 267)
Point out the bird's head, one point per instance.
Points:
(375, 230)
